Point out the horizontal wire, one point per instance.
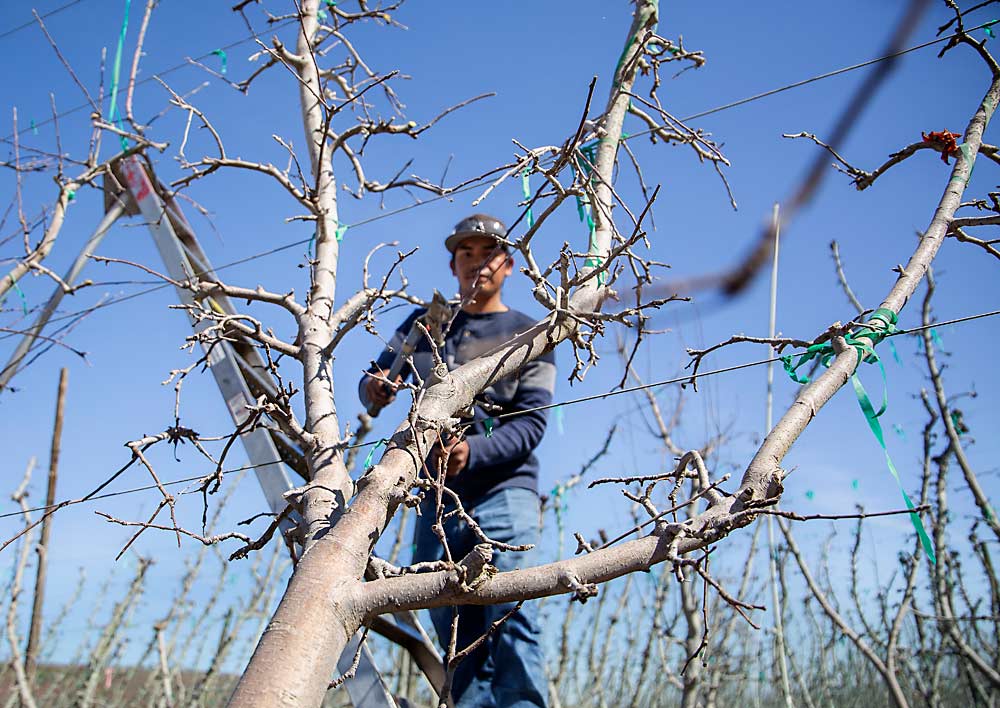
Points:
(50, 13)
(692, 377)
(174, 483)
(819, 77)
(633, 389)
(152, 77)
(711, 111)
(247, 259)
(945, 323)
(569, 402)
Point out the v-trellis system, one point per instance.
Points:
(241, 375)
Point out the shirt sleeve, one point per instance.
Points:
(388, 355)
(516, 437)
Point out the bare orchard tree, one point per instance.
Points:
(338, 534)
(327, 598)
(338, 586)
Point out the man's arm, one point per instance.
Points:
(369, 387)
(517, 436)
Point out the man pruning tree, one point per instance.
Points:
(491, 468)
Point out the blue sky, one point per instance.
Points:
(539, 59)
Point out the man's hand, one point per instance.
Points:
(456, 452)
(378, 391)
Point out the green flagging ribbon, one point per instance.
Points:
(895, 354)
(855, 484)
(898, 429)
(560, 417)
(34, 128)
(589, 151)
(872, 416)
(621, 59)
(970, 158)
(881, 323)
(631, 41)
(628, 46)
(526, 191)
(558, 493)
(488, 425)
(823, 351)
(321, 14)
(935, 340)
(70, 195)
(560, 506)
(964, 149)
(583, 209)
(371, 453)
(958, 423)
(587, 165)
(338, 233)
(116, 73)
(595, 262)
(221, 53)
(20, 294)
(989, 29)
(810, 494)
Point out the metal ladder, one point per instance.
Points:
(242, 370)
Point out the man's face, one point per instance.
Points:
(480, 267)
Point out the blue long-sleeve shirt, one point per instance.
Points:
(506, 457)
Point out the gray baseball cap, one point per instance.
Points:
(475, 225)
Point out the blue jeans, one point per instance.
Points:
(507, 670)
